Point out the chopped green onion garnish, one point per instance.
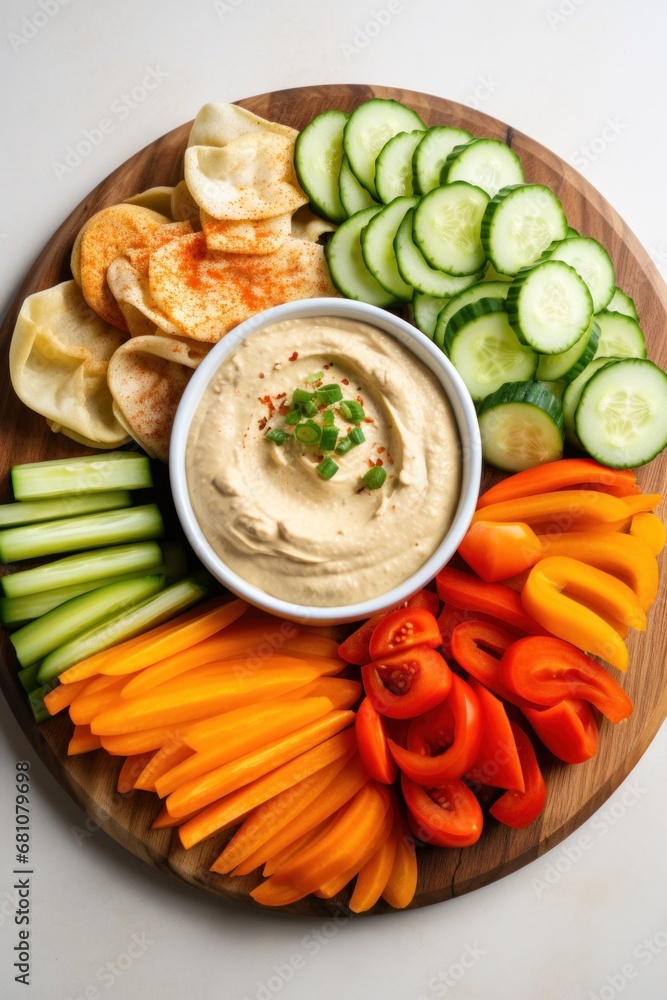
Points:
(315, 377)
(309, 408)
(327, 468)
(293, 417)
(301, 396)
(329, 438)
(308, 433)
(374, 478)
(334, 391)
(352, 410)
(356, 435)
(279, 437)
(328, 418)
(351, 440)
(345, 445)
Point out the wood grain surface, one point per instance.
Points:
(575, 792)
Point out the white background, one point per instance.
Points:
(584, 77)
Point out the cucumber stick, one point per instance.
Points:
(85, 532)
(36, 511)
(127, 625)
(115, 470)
(34, 641)
(521, 425)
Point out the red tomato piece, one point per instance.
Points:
(568, 729)
(497, 761)
(372, 743)
(402, 630)
(450, 617)
(443, 744)
(447, 815)
(407, 684)
(356, 648)
(520, 809)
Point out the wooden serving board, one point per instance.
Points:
(575, 792)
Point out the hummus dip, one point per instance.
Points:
(264, 507)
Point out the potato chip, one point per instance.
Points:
(218, 124)
(147, 377)
(158, 199)
(103, 238)
(249, 236)
(252, 177)
(58, 360)
(206, 293)
(183, 205)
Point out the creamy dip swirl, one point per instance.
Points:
(266, 510)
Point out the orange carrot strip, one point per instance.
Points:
(161, 762)
(299, 780)
(341, 691)
(130, 771)
(130, 744)
(402, 885)
(373, 877)
(364, 854)
(86, 706)
(101, 682)
(62, 696)
(239, 670)
(282, 857)
(643, 503)
(229, 777)
(82, 741)
(233, 726)
(163, 821)
(170, 706)
(282, 820)
(149, 647)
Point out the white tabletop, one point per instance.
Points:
(588, 919)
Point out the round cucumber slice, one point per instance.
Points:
(487, 163)
(572, 395)
(425, 311)
(393, 167)
(346, 263)
(353, 196)
(318, 153)
(446, 228)
(519, 224)
(592, 263)
(377, 247)
(481, 290)
(549, 306)
(431, 153)
(521, 426)
(622, 303)
(620, 336)
(370, 127)
(416, 272)
(567, 366)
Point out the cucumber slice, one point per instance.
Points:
(318, 152)
(485, 350)
(34, 641)
(446, 228)
(370, 127)
(135, 524)
(346, 263)
(144, 616)
(377, 247)
(116, 470)
(572, 395)
(37, 511)
(622, 303)
(620, 419)
(567, 366)
(620, 336)
(353, 196)
(521, 426)
(102, 564)
(480, 290)
(490, 274)
(571, 232)
(487, 163)
(557, 388)
(393, 167)
(519, 224)
(592, 263)
(549, 306)
(416, 272)
(425, 312)
(431, 153)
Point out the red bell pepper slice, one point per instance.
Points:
(443, 744)
(478, 647)
(568, 729)
(546, 670)
(448, 815)
(497, 550)
(464, 590)
(560, 475)
(520, 809)
(356, 648)
(403, 629)
(407, 684)
(372, 743)
(450, 617)
(497, 760)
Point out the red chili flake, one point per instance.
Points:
(261, 374)
(283, 409)
(371, 463)
(262, 423)
(345, 381)
(378, 461)
(368, 420)
(281, 395)
(361, 489)
(390, 459)
(360, 401)
(294, 356)
(381, 449)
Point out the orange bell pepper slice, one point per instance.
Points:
(646, 526)
(560, 475)
(498, 550)
(564, 510)
(550, 596)
(644, 502)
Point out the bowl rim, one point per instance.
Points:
(469, 437)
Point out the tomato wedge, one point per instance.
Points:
(478, 647)
(402, 630)
(407, 684)
(520, 809)
(497, 761)
(454, 727)
(356, 648)
(372, 743)
(568, 729)
(447, 815)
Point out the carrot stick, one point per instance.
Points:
(299, 780)
(86, 706)
(373, 877)
(402, 885)
(149, 647)
(163, 821)
(240, 670)
(282, 820)
(130, 771)
(163, 759)
(341, 691)
(82, 741)
(559, 475)
(282, 857)
(130, 744)
(62, 696)
(229, 777)
(167, 706)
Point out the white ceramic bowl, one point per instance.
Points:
(471, 452)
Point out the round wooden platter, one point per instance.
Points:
(575, 792)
